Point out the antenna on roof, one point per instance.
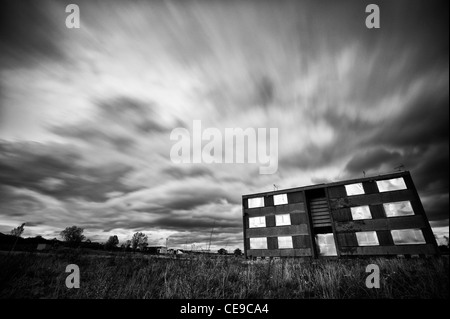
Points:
(364, 173)
(275, 187)
(399, 168)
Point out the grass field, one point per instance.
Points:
(137, 276)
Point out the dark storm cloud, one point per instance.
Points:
(372, 160)
(313, 157)
(432, 170)
(180, 172)
(117, 122)
(116, 222)
(412, 41)
(169, 221)
(426, 22)
(17, 205)
(423, 122)
(139, 115)
(188, 202)
(33, 224)
(259, 91)
(29, 32)
(195, 224)
(57, 171)
(215, 233)
(189, 196)
(197, 196)
(437, 208)
(417, 136)
(95, 135)
(19, 160)
(265, 91)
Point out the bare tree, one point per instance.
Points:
(17, 232)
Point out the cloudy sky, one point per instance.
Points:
(86, 114)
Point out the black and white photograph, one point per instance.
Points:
(236, 152)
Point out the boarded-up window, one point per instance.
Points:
(407, 236)
(396, 209)
(391, 184)
(256, 202)
(354, 189)
(255, 222)
(361, 212)
(258, 243)
(280, 199)
(326, 245)
(367, 238)
(285, 242)
(284, 219)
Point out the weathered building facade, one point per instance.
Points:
(370, 216)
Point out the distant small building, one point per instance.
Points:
(43, 247)
(162, 250)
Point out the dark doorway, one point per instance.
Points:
(321, 222)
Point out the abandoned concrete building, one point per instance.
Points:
(370, 216)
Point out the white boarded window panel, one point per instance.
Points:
(407, 236)
(255, 222)
(354, 189)
(326, 245)
(398, 209)
(258, 243)
(391, 184)
(285, 242)
(281, 220)
(367, 238)
(280, 199)
(256, 202)
(361, 212)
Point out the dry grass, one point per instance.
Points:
(137, 276)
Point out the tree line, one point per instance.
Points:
(74, 234)
(139, 241)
